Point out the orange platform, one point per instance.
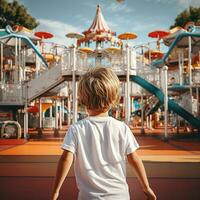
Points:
(173, 169)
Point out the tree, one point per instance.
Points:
(191, 14)
(14, 13)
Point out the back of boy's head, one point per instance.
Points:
(99, 89)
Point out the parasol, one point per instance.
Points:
(43, 35)
(127, 36)
(74, 35)
(159, 34)
(113, 50)
(86, 50)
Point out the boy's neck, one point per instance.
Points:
(97, 113)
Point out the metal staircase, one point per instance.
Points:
(151, 106)
(44, 82)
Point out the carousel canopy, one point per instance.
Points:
(99, 24)
(98, 31)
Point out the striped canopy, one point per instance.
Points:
(99, 24)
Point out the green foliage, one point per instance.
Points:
(15, 14)
(191, 14)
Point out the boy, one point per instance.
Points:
(99, 144)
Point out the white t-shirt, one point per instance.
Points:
(100, 146)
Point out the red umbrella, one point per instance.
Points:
(158, 34)
(44, 35)
(33, 109)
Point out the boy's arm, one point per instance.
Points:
(137, 165)
(63, 167)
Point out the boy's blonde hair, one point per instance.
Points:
(98, 89)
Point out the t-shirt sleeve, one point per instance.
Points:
(70, 140)
(131, 142)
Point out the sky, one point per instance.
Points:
(139, 16)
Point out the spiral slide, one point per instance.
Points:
(171, 104)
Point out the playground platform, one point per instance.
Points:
(27, 169)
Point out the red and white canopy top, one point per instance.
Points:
(99, 25)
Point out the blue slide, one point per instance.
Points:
(195, 35)
(171, 104)
(8, 33)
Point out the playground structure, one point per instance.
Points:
(33, 80)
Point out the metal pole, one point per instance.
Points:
(127, 116)
(190, 60)
(60, 115)
(26, 136)
(24, 64)
(180, 63)
(40, 118)
(165, 68)
(149, 47)
(26, 121)
(40, 113)
(50, 112)
(197, 93)
(63, 110)
(142, 115)
(56, 114)
(190, 65)
(74, 86)
(56, 132)
(37, 60)
(19, 62)
(16, 61)
(69, 110)
(160, 78)
(1, 69)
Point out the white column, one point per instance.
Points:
(26, 136)
(56, 114)
(16, 78)
(142, 114)
(26, 121)
(190, 60)
(63, 110)
(40, 113)
(19, 61)
(24, 64)
(50, 112)
(37, 61)
(165, 68)
(150, 122)
(180, 62)
(74, 86)
(197, 95)
(147, 122)
(69, 110)
(190, 65)
(60, 115)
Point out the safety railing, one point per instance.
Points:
(11, 94)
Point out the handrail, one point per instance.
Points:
(11, 122)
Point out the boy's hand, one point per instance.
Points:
(150, 194)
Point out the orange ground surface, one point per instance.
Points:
(150, 147)
(27, 168)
